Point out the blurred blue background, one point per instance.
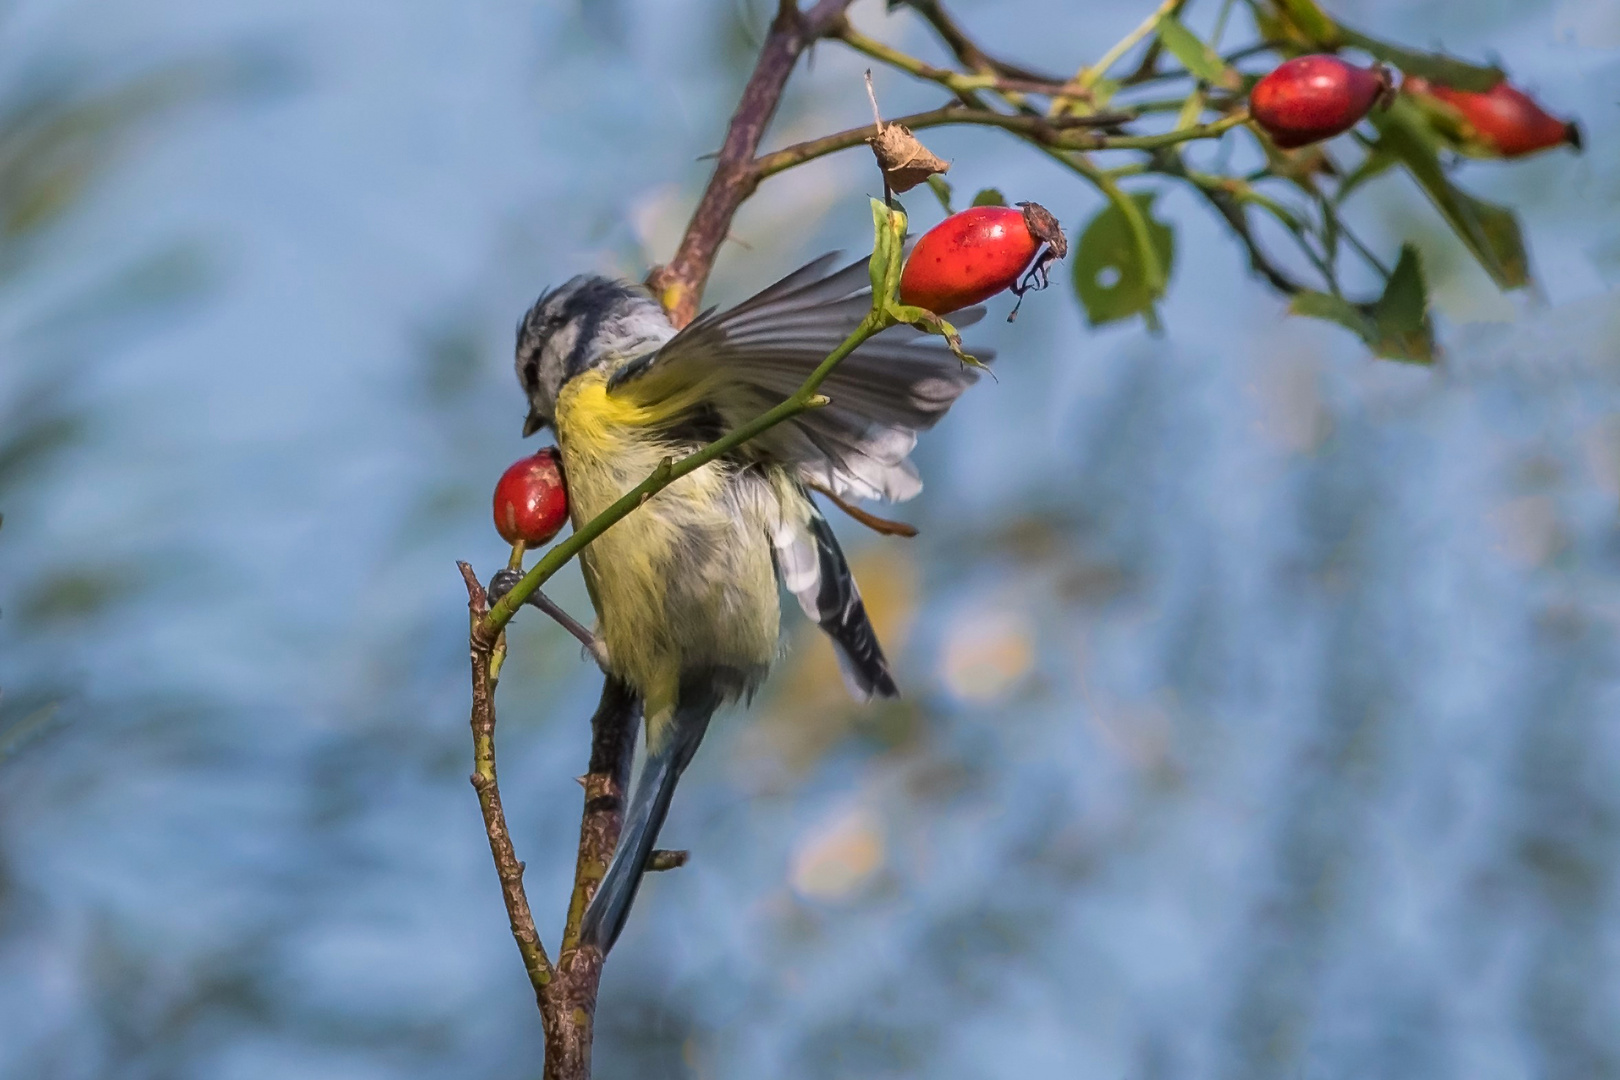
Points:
(1262, 697)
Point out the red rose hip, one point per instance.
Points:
(1311, 98)
(975, 254)
(1503, 121)
(531, 501)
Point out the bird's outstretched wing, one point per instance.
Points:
(754, 355)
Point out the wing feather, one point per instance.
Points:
(754, 355)
(813, 568)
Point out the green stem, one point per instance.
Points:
(1089, 76)
(954, 81)
(1057, 133)
(1151, 270)
(803, 400)
(1220, 25)
(1211, 130)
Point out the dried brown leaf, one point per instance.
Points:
(905, 161)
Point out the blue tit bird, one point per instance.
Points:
(686, 587)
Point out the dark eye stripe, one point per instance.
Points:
(584, 304)
(589, 323)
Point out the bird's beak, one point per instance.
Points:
(533, 422)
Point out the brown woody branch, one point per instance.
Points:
(679, 284)
(507, 866)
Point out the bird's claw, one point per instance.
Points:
(502, 583)
(506, 580)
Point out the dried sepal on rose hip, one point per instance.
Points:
(531, 499)
(979, 252)
(1311, 98)
(1503, 121)
(903, 159)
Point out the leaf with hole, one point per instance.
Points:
(1112, 275)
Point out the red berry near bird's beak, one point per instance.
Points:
(1503, 121)
(531, 500)
(971, 256)
(1311, 98)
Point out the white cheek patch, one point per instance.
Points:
(558, 349)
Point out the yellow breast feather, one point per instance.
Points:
(686, 579)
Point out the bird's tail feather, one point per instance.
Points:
(668, 753)
(813, 568)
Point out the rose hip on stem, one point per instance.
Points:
(1503, 121)
(1311, 98)
(972, 255)
(531, 500)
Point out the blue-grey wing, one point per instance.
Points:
(754, 355)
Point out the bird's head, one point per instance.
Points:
(587, 322)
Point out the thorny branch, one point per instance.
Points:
(679, 284)
(510, 871)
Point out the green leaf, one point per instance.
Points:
(929, 323)
(1401, 315)
(1310, 20)
(942, 192)
(1121, 266)
(1199, 58)
(888, 242)
(1491, 232)
(1319, 305)
(1396, 326)
(990, 197)
(1437, 67)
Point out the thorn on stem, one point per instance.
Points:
(662, 859)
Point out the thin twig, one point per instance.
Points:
(1236, 215)
(1088, 76)
(968, 53)
(882, 526)
(507, 867)
(959, 83)
(1058, 133)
